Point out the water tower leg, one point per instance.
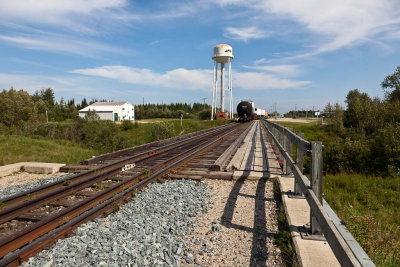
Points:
(216, 87)
(230, 91)
(222, 87)
(213, 92)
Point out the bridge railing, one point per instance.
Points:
(323, 219)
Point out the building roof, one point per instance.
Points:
(104, 106)
(109, 103)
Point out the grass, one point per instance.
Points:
(312, 131)
(370, 208)
(15, 148)
(141, 133)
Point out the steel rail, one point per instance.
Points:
(68, 217)
(144, 147)
(12, 212)
(114, 166)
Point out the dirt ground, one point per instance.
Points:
(239, 228)
(294, 120)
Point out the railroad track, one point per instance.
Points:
(32, 221)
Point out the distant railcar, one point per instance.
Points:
(245, 111)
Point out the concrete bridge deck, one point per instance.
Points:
(255, 159)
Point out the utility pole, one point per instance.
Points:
(204, 102)
(143, 101)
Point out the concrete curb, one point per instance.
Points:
(309, 252)
(38, 167)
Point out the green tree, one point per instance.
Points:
(47, 95)
(359, 111)
(91, 115)
(392, 81)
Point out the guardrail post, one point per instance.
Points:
(281, 141)
(284, 145)
(316, 182)
(289, 150)
(299, 163)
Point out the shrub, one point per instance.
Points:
(386, 147)
(127, 125)
(104, 136)
(101, 135)
(91, 115)
(346, 156)
(162, 130)
(204, 114)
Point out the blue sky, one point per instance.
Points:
(305, 53)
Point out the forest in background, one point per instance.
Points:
(365, 137)
(40, 115)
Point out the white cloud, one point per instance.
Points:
(59, 44)
(31, 83)
(75, 15)
(154, 42)
(341, 22)
(245, 34)
(333, 24)
(177, 78)
(281, 70)
(67, 86)
(264, 81)
(184, 79)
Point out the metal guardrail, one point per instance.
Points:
(323, 219)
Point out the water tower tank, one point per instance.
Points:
(222, 53)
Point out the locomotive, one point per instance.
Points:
(245, 111)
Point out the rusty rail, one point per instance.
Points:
(110, 167)
(57, 225)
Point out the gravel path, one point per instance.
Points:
(151, 230)
(239, 228)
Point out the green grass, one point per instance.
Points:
(370, 208)
(312, 131)
(141, 134)
(21, 148)
(15, 148)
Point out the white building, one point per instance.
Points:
(113, 111)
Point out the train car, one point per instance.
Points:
(245, 111)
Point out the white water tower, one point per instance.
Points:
(222, 55)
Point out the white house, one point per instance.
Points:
(113, 111)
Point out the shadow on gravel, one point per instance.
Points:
(259, 252)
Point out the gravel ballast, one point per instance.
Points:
(18, 188)
(151, 230)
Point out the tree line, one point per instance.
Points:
(366, 136)
(22, 113)
(173, 110)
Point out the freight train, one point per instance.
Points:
(247, 112)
